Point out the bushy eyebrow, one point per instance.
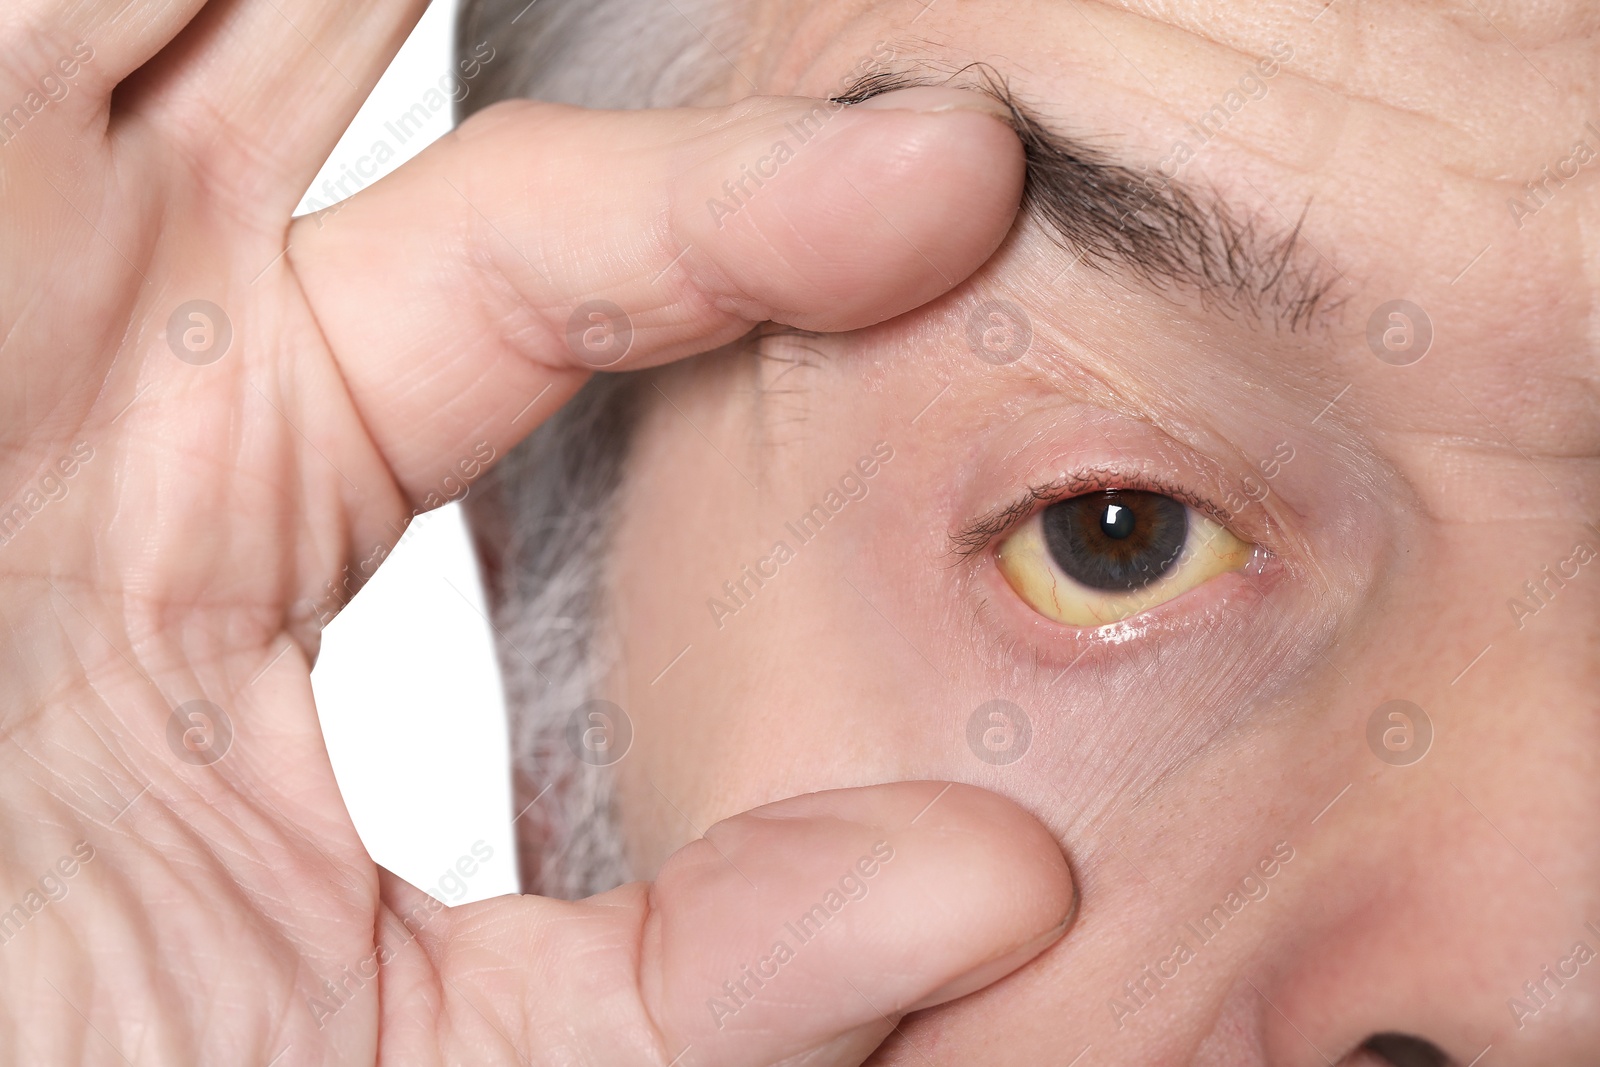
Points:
(1165, 233)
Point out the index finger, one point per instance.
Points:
(540, 243)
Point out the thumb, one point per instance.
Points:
(801, 930)
(816, 923)
(540, 242)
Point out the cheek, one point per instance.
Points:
(754, 672)
(673, 543)
(803, 688)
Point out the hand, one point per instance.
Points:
(216, 421)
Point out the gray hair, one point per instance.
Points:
(541, 518)
(598, 53)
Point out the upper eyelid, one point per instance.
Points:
(975, 538)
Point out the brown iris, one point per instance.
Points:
(1116, 539)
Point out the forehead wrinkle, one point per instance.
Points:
(1061, 372)
(1163, 232)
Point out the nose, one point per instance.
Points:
(1398, 1050)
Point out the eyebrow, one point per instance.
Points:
(1164, 232)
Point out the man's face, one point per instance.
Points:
(832, 561)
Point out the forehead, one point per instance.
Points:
(1471, 197)
(1407, 59)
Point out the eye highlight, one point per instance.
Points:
(1104, 556)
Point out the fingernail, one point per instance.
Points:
(931, 99)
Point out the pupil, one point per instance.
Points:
(1117, 540)
(1117, 522)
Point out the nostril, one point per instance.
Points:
(1403, 1050)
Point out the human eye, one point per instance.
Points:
(1103, 556)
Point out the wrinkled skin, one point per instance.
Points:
(183, 515)
(1170, 755)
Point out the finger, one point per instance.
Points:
(461, 289)
(890, 899)
(803, 928)
(259, 91)
(119, 35)
(70, 56)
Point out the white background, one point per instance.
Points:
(406, 684)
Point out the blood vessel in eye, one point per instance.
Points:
(1116, 539)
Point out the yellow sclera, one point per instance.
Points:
(1209, 550)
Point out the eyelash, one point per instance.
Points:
(977, 538)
